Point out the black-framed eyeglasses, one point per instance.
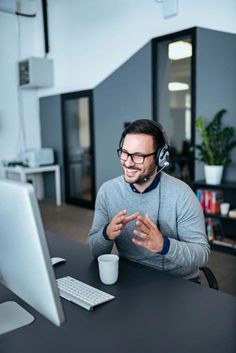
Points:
(137, 158)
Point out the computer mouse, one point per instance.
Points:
(57, 260)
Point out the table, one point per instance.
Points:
(152, 313)
(24, 171)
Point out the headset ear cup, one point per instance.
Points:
(167, 158)
(163, 157)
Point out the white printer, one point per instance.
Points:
(37, 157)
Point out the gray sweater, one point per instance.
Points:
(173, 204)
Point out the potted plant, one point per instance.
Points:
(217, 143)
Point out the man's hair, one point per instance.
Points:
(148, 127)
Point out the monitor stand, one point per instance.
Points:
(13, 316)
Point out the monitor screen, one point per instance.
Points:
(25, 263)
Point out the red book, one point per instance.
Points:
(208, 201)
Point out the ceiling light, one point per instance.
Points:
(179, 50)
(178, 86)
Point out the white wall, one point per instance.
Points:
(20, 37)
(88, 40)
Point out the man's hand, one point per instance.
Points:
(118, 222)
(151, 237)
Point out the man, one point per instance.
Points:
(152, 217)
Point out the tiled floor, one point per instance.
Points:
(74, 222)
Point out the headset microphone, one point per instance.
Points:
(151, 176)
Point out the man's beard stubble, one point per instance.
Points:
(143, 179)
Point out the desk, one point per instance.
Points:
(24, 171)
(152, 313)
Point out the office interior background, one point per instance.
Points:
(102, 52)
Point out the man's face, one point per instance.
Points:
(141, 144)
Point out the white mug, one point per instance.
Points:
(108, 265)
(224, 208)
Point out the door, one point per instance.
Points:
(78, 148)
(173, 98)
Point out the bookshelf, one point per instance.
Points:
(221, 230)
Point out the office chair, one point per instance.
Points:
(210, 277)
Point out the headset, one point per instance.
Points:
(162, 154)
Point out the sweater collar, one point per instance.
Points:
(151, 187)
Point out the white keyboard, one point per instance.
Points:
(80, 293)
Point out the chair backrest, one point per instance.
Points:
(210, 277)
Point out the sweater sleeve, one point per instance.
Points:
(97, 242)
(191, 246)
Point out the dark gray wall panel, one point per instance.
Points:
(51, 136)
(123, 97)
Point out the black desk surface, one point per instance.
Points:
(152, 312)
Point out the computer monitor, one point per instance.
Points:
(25, 263)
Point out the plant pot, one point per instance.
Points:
(213, 174)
